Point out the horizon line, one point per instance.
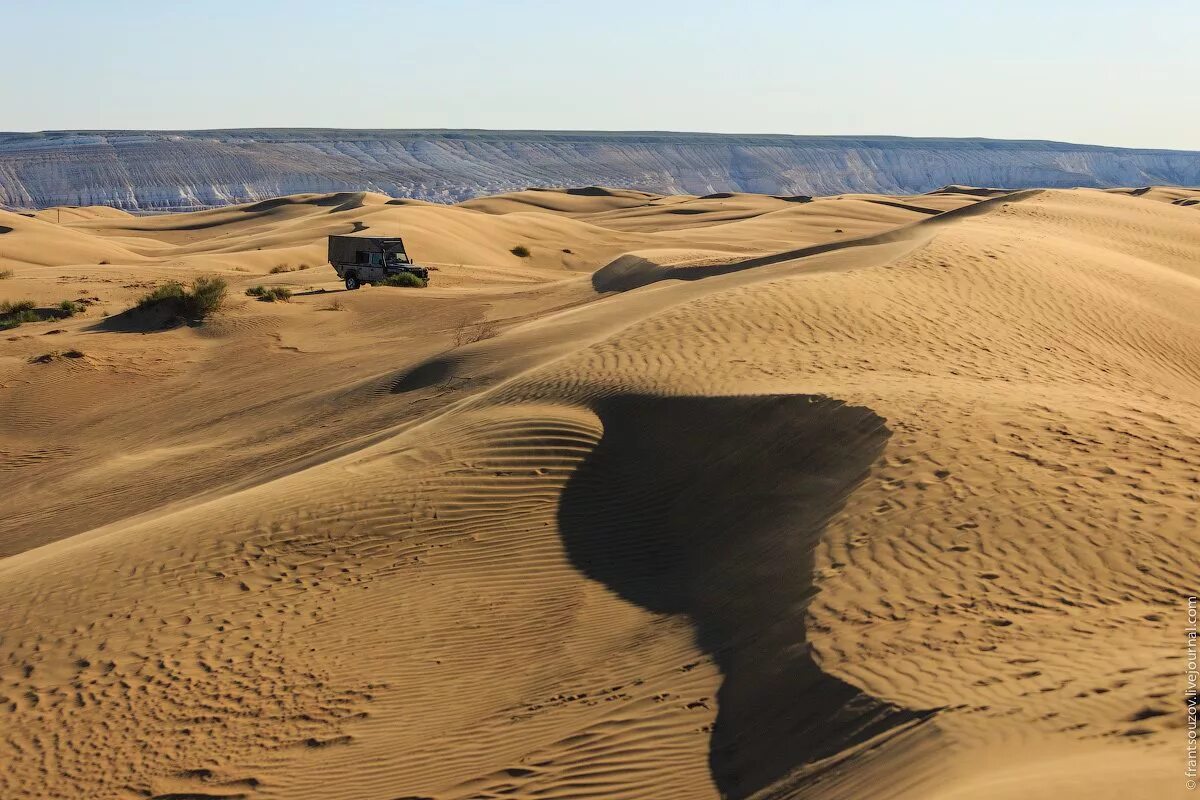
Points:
(582, 131)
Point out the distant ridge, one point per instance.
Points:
(165, 170)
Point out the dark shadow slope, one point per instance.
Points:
(712, 507)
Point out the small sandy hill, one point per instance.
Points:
(974, 191)
(1175, 195)
(845, 498)
(79, 213)
(585, 200)
(537, 235)
(36, 242)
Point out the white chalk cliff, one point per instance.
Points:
(162, 170)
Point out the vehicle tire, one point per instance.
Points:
(352, 282)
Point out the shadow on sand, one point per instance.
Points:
(712, 507)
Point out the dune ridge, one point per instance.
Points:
(768, 499)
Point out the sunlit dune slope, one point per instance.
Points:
(859, 497)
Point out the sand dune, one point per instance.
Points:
(727, 496)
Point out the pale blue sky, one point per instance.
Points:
(1103, 72)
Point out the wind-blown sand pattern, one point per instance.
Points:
(729, 496)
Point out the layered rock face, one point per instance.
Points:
(164, 170)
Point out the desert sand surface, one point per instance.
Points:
(730, 496)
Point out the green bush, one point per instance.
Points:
(520, 251)
(271, 295)
(8, 321)
(207, 295)
(69, 308)
(15, 312)
(256, 291)
(168, 292)
(200, 301)
(405, 279)
(8, 307)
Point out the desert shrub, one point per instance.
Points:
(13, 320)
(278, 268)
(206, 297)
(404, 279)
(275, 293)
(336, 305)
(15, 312)
(270, 295)
(169, 292)
(8, 321)
(8, 307)
(200, 301)
(520, 251)
(5, 273)
(69, 308)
